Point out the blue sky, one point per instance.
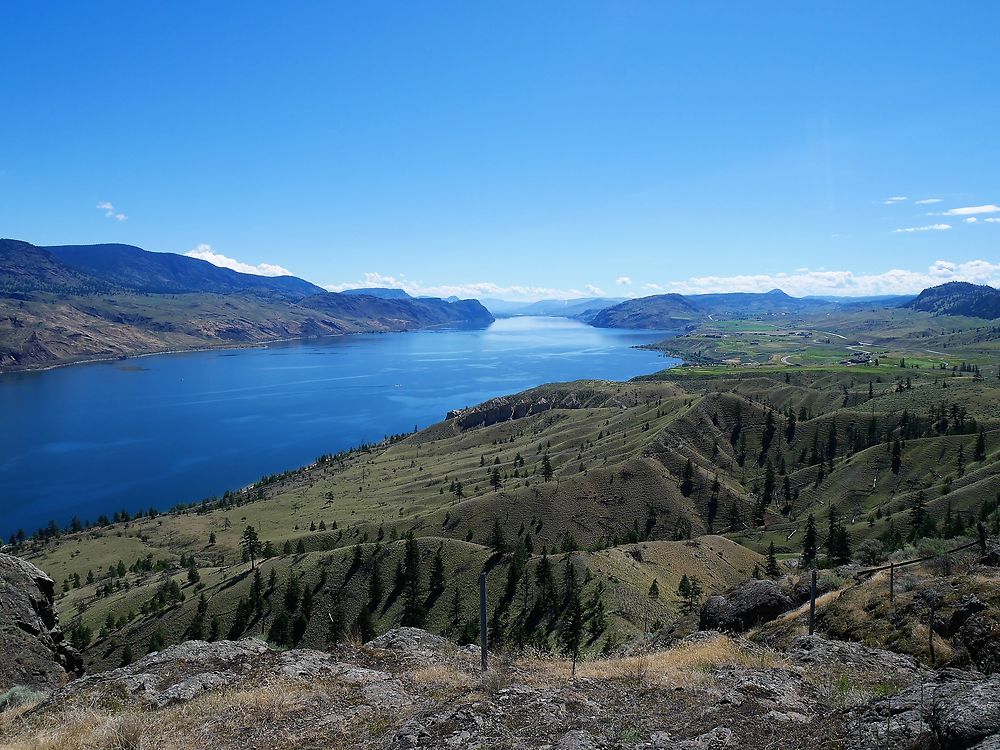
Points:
(515, 149)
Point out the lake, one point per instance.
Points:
(158, 430)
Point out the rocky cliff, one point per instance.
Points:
(32, 650)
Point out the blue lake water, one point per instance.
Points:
(155, 431)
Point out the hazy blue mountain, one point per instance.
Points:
(755, 303)
(581, 308)
(381, 292)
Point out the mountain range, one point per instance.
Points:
(76, 302)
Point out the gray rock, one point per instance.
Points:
(968, 714)
(717, 739)
(33, 650)
(953, 710)
(749, 604)
(577, 739)
(979, 638)
(411, 642)
(815, 650)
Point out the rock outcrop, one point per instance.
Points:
(32, 650)
(749, 604)
(953, 711)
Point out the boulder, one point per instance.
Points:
(34, 653)
(749, 604)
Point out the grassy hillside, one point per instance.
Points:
(627, 482)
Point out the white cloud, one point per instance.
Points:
(623, 281)
(927, 228)
(992, 220)
(971, 210)
(927, 201)
(895, 199)
(109, 211)
(841, 283)
(474, 290)
(971, 220)
(594, 290)
(205, 252)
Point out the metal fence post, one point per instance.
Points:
(892, 582)
(812, 603)
(483, 636)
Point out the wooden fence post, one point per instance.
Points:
(981, 533)
(812, 603)
(483, 636)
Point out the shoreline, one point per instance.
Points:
(196, 349)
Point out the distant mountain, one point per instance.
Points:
(381, 292)
(664, 311)
(129, 267)
(880, 299)
(959, 298)
(582, 308)
(669, 311)
(755, 303)
(400, 313)
(25, 268)
(77, 302)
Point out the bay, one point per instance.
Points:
(155, 431)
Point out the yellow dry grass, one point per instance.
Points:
(178, 727)
(687, 664)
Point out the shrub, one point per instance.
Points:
(870, 552)
(19, 695)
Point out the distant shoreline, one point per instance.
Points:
(195, 349)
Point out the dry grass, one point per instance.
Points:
(440, 676)
(687, 665)
(178, 727)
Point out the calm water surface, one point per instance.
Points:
(154, 431)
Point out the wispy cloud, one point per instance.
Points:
(845, 283)
(927, 201)
(971, 220)
(971, 210)
(623, 281)
(927, 228)
(109, 211)
(992, 220)
(477, 289)
(205, 252)
(895, 199)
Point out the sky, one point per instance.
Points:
(515, 150)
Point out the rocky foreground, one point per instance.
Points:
(410, 689)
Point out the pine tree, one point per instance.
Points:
(546, 468)
(654, 589)
(498, 542)
(437, 581)
(250, 543)
(375, 587)
(809, 543)
(897, 456)
(365, 624)
(336, 623)
(772, 569)
(687, 479)
(414, 611)
(572, 628)
(979, 454)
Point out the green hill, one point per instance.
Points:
(629, 482)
